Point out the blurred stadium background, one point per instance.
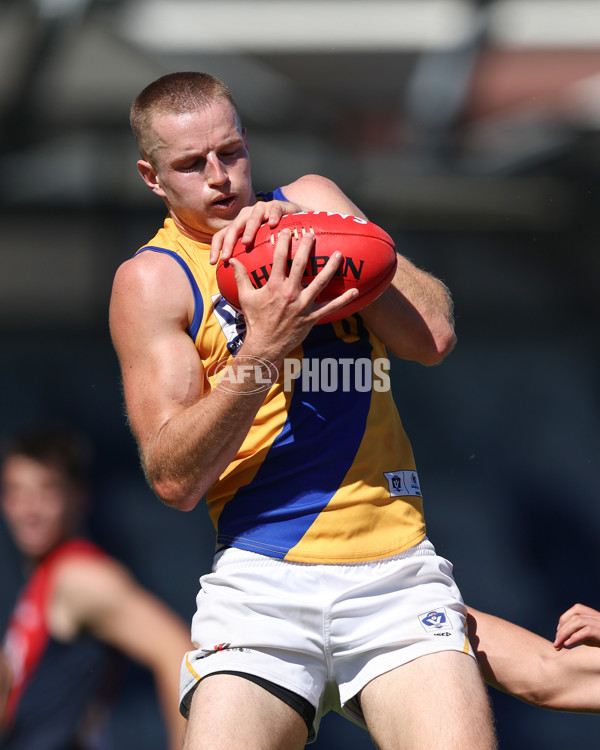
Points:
(470, 131)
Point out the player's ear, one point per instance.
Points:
(149, 176)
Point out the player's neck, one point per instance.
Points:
(198, 235)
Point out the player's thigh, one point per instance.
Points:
(438, 700)
(231, 712)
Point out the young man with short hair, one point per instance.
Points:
(325, 591)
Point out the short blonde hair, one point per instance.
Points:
(174, 93)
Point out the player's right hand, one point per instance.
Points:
(246, 224)
(280, 314)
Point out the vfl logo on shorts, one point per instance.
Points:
(435, 620)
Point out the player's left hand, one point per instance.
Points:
(246, 224)
(579, 624)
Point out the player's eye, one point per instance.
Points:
(192, 164)
(230, 153)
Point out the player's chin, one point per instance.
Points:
(36, 546)
(214, 226)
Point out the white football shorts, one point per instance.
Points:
(322, 631)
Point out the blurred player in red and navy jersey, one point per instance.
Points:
(77, 605)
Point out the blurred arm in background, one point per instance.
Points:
(537, 670)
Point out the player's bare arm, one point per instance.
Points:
(188, 438)
(185, 440)
(100, 596)
(522, 663)
(413, 316)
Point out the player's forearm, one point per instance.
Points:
(195, 444)
(544, 677)
(166, 671)
(414, 316)
(167, 690)
(524, 664)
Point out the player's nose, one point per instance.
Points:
(217, 174)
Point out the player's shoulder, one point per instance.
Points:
(83, 572)
(320, 193)
(147, 268)
(84, 587)
(86, 582)
(150, 282)
(309, 181)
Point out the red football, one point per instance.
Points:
(369, 257)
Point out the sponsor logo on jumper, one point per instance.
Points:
(435, 619)
(403, 482)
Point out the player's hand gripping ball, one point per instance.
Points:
(369, 258)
